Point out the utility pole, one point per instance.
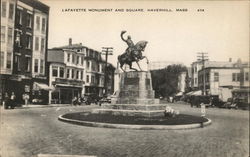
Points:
(202, 56)
(106, 51)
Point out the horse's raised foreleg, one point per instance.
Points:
(138, 65)
(130, 66)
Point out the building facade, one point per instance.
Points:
(25, 59)
(7, 41)
(76, 70)
(198, 65)
(66, 75)
(222, 80)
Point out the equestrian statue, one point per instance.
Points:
(133, 53)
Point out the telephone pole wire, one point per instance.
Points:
(106, 51)
(202, 56)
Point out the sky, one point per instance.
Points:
(221, 30)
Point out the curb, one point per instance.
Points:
(136, 127)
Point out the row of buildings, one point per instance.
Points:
(221, 78)
(28, 67)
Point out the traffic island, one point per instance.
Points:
(181, 121)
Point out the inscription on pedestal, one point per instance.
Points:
(131, 81)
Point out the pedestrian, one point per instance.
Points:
(26, 98)
(6, 100)
(13, 100)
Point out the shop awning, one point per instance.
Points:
(179, 94)
(198, 92)
(189, 93)
(38, 86)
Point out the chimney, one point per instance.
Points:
(70, 41)
(230, 59)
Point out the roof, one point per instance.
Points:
(72, 46)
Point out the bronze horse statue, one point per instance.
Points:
(134, 56)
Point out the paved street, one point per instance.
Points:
(30, 131)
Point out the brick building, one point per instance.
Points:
(24, 35)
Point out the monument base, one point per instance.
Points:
(135, 97)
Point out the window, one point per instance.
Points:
(54, 71)
(42, 45)
(3, 33)
(88, 64)
(27, 63)
(73, 74)
(36, 66)
(82, 60)
(41, 66)
(77, 59)
(2, 59)
(61, 72)
(43, 25)
(37, 43)
(68, 57)
(10, 37)
(28, 41)
(17, 61)
(8, 65)
(195, 80)
(3, 9)
(37, 22)
(29, 20)
(11, 11)
(81, 75)
(77, 74)
(73, 58)
(19, 16)
(246, 76)
(68, 71)
(92, 79)
(87, 79)
(216, 77)
(235, 77)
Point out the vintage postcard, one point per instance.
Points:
(81, 78)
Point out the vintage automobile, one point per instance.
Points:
(91, 98)
(197, 100)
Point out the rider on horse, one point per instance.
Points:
(130, 43)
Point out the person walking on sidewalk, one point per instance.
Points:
(6, 101)
(13, 100)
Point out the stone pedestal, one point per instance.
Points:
(135, 98)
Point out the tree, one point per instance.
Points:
(165, 81)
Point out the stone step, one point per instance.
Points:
(143, 107)
(135, 101)
(135, 113)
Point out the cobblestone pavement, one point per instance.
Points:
(30, 131)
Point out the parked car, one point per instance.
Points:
(229, 104)
(216, 102)
(105, 99)
(196, 100)
(242, 103)
(91, 98)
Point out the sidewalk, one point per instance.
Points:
(47, 106)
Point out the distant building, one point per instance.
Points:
(198, 65)
(222, 80)
(182, 81)
(24, 34)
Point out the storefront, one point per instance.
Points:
(65, 90)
